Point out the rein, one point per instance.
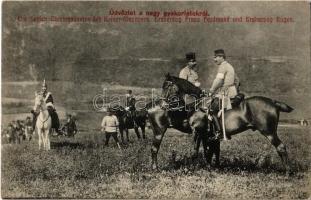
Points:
(207, 99)
(44, 120)
(41, 111)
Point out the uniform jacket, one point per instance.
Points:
(227, 74)
(110, 123)
(189, 75)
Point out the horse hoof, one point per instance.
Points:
(154, 167)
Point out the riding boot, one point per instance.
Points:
(34, 119)
(217, 127)
(55, 120)
(56, 123)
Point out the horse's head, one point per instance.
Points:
(169, 87)
(39, 102)
(117, 110)
(178, 87)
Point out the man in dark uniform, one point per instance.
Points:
(48, 98)
(130, 105)
(70, 126)
(189, 72)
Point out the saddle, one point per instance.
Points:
(235, 102)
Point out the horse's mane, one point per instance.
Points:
(185, 86)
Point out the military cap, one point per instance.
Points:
(190, 56)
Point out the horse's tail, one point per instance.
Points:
(283, 106)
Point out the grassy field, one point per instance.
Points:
(81, 168)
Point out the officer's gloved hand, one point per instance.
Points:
(209, 94)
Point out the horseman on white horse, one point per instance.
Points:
(48, 98)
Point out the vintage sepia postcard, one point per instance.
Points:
(155, 100)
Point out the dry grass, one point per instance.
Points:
(80, 168)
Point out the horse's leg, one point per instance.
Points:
(39, 137)
(268, 127)
(26, 133)
(48, 139)
(44, 139)
(158, 134)
(137, 132)
(159, 124)
(215, 147)
(197, 141)
(122, 137)
(157, 139)
(208, 153)
(127, 135)
(280, 148)
(143, 131)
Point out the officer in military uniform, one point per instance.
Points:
(224, 85)
(48, 98)
(130, 105)
(189, 72)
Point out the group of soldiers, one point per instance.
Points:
(225, 85)
(18, 130)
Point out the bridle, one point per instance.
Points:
(169, 84)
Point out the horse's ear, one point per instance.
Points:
(167, 75)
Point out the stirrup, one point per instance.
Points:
(218, 135)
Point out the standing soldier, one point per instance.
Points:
(110, 125)
(70, 126)
(28, 128)
(223, 86)
(48, 98)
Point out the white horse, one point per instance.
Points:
(44, 122)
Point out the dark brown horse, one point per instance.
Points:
(256, 113)
(185, 118)
(126, 122)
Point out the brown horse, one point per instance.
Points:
(256, 113)
(185, 118)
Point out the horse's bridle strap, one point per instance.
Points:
(44, 120)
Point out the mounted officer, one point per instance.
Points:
(224, 86)
(48, 98)
(189, 72)
(130, 105)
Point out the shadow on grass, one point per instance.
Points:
(232, 165)
(71, 145)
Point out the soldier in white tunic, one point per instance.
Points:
(224, 85)
(110, 126)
